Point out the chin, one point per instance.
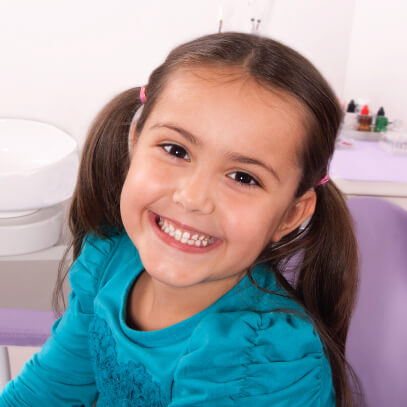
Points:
(166, 272)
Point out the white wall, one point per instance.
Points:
(318, 29)
(62, 61)
(377, 63)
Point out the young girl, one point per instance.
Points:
(194, 283)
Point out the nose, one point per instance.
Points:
(194, 192)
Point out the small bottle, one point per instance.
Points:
(351, 107)
(350, 119)
(381, 121)
(364, 119)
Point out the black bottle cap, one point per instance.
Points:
(351, 107)
(380, 112)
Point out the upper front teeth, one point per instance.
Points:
(184, 237)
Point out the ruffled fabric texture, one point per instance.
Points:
(253, 359)
(87, 270)
(119, 384)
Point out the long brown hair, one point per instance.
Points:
(326, 280)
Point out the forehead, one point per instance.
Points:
(232, 107)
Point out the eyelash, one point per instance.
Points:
(253, 181)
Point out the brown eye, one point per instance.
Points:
(176, 151)
(244, 179)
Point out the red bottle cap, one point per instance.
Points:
(365, 110)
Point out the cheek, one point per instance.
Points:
(142, 178)
(250, 223)
(146, 182)
(132, 190)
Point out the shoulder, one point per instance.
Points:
(259, 357)
(96, 253)
(284, 335)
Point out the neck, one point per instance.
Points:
(161, 305)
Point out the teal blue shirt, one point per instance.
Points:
(229, 354)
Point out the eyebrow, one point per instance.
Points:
(185, 133)
(236, 157)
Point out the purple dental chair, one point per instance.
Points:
(377, 340)
(21, 327)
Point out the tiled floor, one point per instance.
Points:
(18, 356)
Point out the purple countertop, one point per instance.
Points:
(367, 161)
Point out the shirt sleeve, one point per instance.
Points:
(61, 374)
(252, 359)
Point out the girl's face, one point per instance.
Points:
(212, 178)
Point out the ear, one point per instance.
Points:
(300, 210)
(132, 133)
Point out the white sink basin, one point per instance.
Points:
(38, 166)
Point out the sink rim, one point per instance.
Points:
(42, 187)
(61, 133)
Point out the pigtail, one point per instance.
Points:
(330, 295)
(328, 280)
(320, 273)
(95, 205)
(104, 164)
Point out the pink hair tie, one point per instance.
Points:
(323, 180)
(143, 95)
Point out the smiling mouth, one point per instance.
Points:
(186, 236)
